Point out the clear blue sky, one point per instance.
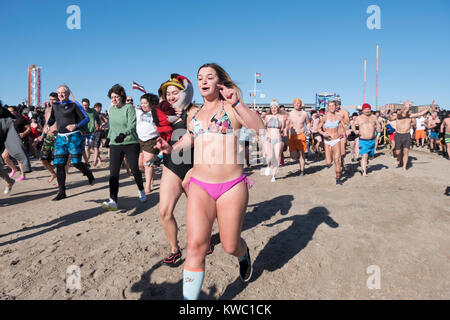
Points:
(299, 47)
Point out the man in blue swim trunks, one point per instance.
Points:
(433, 125)
(367, 123)
(69, 117)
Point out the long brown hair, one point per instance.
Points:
(224, 78)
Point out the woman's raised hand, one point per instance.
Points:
(229, 94)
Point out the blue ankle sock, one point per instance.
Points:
(192, 284)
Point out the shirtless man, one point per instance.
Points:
(346, 119)
(298, 126)
(368, 123)
(446, 124)
(433, 125)
(403, 135)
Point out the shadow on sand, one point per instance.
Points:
(284, 246)
(57, 223)
(261, 212)
(279, 250)
(353, 168)
(126, 204)
(165, 290)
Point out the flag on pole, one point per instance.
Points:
(257, 74)
(137, 86)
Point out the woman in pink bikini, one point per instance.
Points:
(217, 188)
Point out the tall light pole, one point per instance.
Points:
(254, 92)
(377, 83)
(256, 75)
(365, 79)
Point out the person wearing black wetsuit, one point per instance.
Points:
(69, 117)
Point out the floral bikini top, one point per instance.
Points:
(220, 123)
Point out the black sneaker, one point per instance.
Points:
(245, 268)
(91, 178)
(172, 258)
(60, 196)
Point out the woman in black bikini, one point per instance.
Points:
(178, 91)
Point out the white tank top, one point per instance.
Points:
(420, 123)
(145, 127)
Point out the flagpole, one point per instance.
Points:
(254, 93)
(377, 83)
(365, 68)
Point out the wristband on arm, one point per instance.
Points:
(236, 104)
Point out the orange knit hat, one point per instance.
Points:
(297, 100)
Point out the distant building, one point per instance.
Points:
(391, 106)
(287, 106)
(352, 108)
(398, 106)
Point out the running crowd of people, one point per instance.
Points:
(202, 151)
(327, 133)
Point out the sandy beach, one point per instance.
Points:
(308, 238)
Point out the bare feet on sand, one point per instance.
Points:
(52, 177)
(97, 165)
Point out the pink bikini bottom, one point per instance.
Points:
(216, 190)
